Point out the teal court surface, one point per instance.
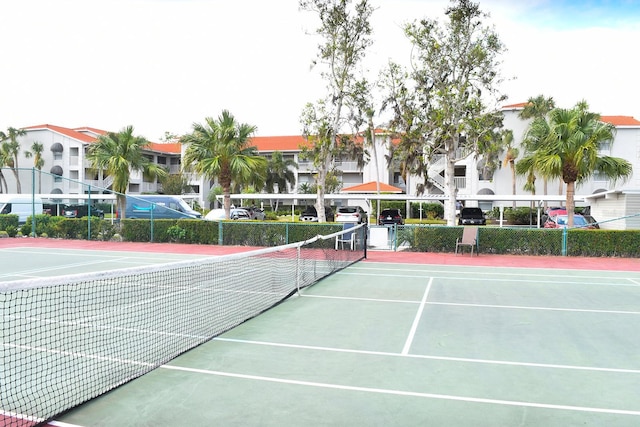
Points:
(401, 344)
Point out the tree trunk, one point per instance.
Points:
(571, 204)
(320, 188)
(449, 182)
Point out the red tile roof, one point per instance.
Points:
(614, 120)
(85, 134)
(514, 106)
(620, 120)
(278, 143)
(64, 131)
(86, 129)
(169, 147)
(370, 187)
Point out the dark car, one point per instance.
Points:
(390, 216)
(472, 216)
(310, 214)
(255, 213)
(80, 211)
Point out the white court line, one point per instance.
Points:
(406, 393)
(558, 281)
(416, 320)
(497, 271)
(428, 357)
(27, 273)
(517, 307)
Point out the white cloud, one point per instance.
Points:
(161, 65)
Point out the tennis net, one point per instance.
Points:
(68, 339)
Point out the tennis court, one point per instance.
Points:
(407, 344)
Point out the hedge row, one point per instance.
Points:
(419, 238)
(525, 241)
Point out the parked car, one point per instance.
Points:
(234, 213)
(351, 214)
(159, 207)
(390, 216)
(472, 216)
(255, 213)
(80, 211)
(22, 206)
(558, 218)
(310, 214)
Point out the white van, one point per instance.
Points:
(19, 204)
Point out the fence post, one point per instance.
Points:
(33, 202)
(89, 214)
(564, 241)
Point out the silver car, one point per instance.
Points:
(235, 213)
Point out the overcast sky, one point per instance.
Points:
(161, 65)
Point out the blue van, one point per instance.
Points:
(159, 207)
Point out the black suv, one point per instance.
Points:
(390, 216)
(310, 214)
(79, 211)
(472, 216)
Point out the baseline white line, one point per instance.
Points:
(405, 393)
(427, 357)
(517, 307)
(484, 278)
(416, 320)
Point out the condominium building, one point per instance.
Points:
(64, 157)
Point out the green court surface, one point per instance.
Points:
(20, 263)
(383, 344)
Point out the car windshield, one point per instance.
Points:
(472, 212)
(348, 210)
(578, 221)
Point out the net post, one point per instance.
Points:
(89, 213)
(365, 230)
(298, 270)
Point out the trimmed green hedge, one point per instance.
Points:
(234, 232)
(525, 241)
(418, 238)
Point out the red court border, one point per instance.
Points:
(578, 263)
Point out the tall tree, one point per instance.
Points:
(9, 150)
(118, 154)
(455, 67)
(279, 174)
(345, 32)
(38, 162)
(571, 151)
(221, 149)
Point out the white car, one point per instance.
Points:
(351, 214)
(235, 213)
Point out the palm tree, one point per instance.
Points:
(3, 161)
(537, 109)
(118, 154)
(221, 149)
(510, 158)
(10, 150)
(280, 173)
(570, 151)
(38, 162)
